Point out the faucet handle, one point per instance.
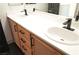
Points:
(33, 9)
(69, 19)
(22, 11)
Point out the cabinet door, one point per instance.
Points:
(41, 48)
(24, 36)
(14, 30)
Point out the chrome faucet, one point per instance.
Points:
(68, 23)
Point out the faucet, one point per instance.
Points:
(25, 11)
(68, 23)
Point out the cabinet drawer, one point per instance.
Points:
(25, 42)
(26, 50)
(14, 31)
(24, 33)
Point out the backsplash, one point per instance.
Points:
(39, 6)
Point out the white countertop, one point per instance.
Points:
(38, 22)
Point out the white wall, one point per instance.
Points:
(3, 10)
(67, 9)
(64, 9)
(72, 9)
(77, 9)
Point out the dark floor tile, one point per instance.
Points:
(13, 50)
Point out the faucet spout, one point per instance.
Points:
(67, 22)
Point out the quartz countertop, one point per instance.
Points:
(38, 22)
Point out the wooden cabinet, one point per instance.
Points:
(30, 43)
(21, 37)
(41, 48)
(14, 30)
(25, 40)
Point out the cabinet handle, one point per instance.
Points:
(24, 47)
(23, 40)
(15, 28)
(21, 32)
(32, 41)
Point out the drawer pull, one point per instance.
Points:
(23, 40)
(32, 41)
(21, 32)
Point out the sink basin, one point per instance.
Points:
(62, 36)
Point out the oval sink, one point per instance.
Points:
(63, 36)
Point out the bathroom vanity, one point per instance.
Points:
(29, 34)
(30, 43)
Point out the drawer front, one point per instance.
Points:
(24, 36)
(25, 42)
(24, 33)
(14, 31)
(26, 50)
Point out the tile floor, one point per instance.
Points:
(13, 50)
